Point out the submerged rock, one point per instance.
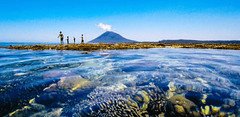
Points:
(51, 113)
(65, 89)
(27, 110)
(71, 83)
(172, 89)
(180, 106)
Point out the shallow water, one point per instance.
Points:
(43, 76)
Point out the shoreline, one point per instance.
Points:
(122, 46)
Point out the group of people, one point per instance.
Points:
(61, 36)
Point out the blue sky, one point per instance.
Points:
(142, 20)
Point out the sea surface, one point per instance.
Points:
(66, 83)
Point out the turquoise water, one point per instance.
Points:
(64, 83)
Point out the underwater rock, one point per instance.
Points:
(181, 100)
(73, 83)
(27, 110)
(57, 93)
(178, 105)
(172, 89)
(51, 113)
(215, 110)
(179, 109)
(203, 100)
(205, 110)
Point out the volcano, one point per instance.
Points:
(111, 37)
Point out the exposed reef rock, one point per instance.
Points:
(120, 46)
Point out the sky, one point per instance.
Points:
(141, 20)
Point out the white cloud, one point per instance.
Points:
(105, 27)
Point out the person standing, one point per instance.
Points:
(67, 39)
(74, 40)
(61, 36)
(82, 41)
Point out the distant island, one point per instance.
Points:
(113, 41)
(187, 41)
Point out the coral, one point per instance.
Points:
(139, 101)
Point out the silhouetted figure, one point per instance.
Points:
(67, 39)
(74, 40)
(61, 36)
(82, 41)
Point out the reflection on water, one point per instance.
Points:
(170, 82)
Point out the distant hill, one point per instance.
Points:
(111, 37)
(183, 41)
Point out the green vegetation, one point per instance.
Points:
(102, 46)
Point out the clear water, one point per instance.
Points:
(25, 75)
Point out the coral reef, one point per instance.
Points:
(103, 46)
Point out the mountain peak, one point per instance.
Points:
(109, 33)
(111, 37)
